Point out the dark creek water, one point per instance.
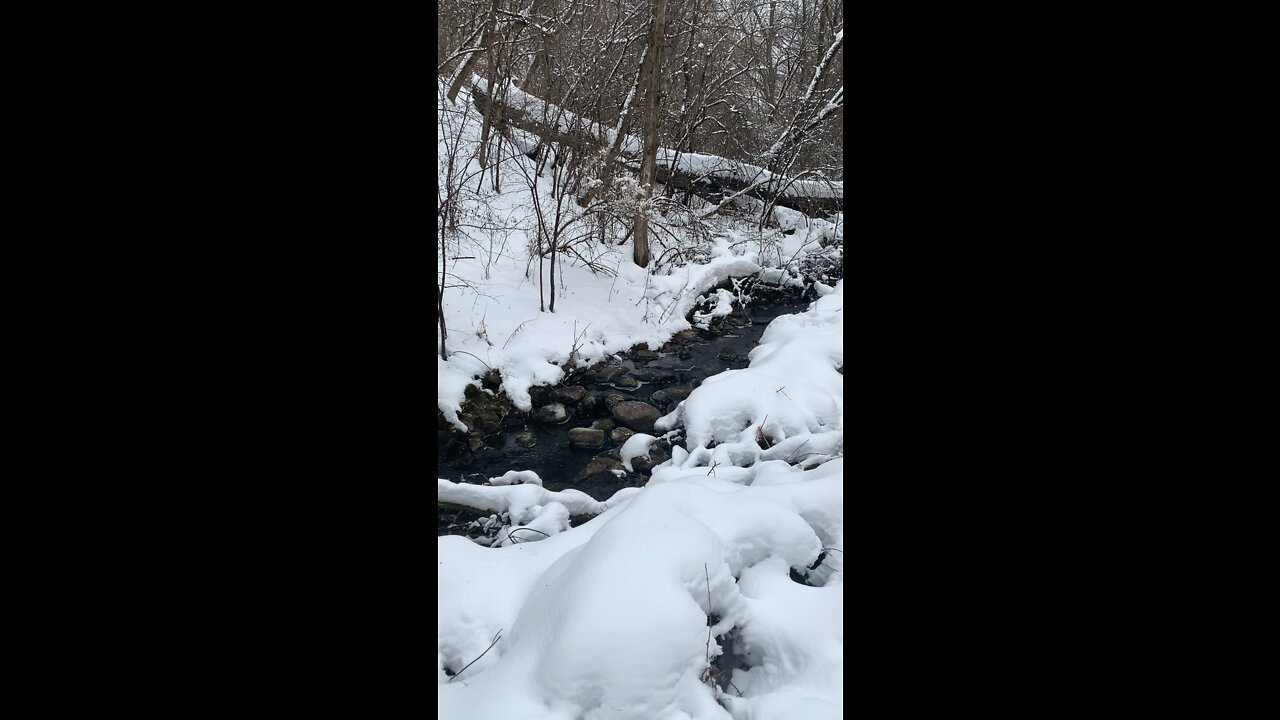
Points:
(663, 377)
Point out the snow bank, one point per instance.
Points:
(610, 619)
(615, 626)
(790, 389)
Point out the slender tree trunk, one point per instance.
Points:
(651, 73)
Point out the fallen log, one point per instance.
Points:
(707, 176)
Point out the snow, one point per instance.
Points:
(789, 389)
(609, 619)
(492, 306)
(636, 446)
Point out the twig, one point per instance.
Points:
(473, 662)
(511, 534)
(793, 455)
(513, 332)
(464, 352)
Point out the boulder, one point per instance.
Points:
(620, 435)
(627, 381)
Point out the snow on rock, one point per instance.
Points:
(636, 446)
(517, 477)
(518, 501)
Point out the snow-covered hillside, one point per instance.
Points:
(492, 279)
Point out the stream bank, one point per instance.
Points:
(572, 436)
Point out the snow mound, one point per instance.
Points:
(613, 615)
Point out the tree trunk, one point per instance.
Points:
(651, 83)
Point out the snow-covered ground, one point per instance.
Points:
(676, 601)
(609, 619)
(491, 296)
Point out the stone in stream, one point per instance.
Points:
(729, 355)
(586, 438)
(488, 422)
(606, 374)
(553, 413)
(573, 393)
(525, 439)
(644, 355)
(620, 435)
(627, 381)
(656, 376)
(661, 398)
(636, 415)
(603, 424)
(611, 400)
(684, 353)
(600, 465)
(474, 444)
(678, 393)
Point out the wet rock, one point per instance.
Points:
(606, 374)
(620, 435)
(641, 346)
(661, 398)
(684, 353)
(656, 376)
(525, 439)
(736, 321)
(474, 444)
(471, 391)
(573, 393)
(488, 422)
(586, 438)
(636, 415)
(599, 465)
(678, 393)
(541, 394)
(492, 380)
(685, 336)
(553, 413)
(642, 464)
(611, 400)
(604, 425)
(627, 381)
(729, 355)
(645, 355)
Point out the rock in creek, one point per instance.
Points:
(636, 415)
(627, 381)
(525, 439)
(586, 438)
(553, 413)
(620, 435)
(606, 374)
(573, 393)
(599, 465)
(603, 424)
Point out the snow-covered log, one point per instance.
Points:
(709, 176)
